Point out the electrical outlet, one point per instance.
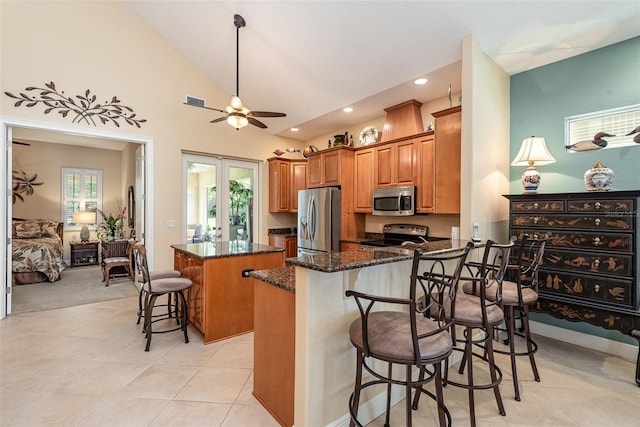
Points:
(245, 273)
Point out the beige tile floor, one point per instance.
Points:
(85, 366)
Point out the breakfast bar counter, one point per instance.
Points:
(304, 364)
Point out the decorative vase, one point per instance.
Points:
(598, 178)
(308, 150)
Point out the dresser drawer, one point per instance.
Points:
(538, 206)
(598, 222)
(580, 285)
(610, 242)
(588, 262)
(618, 206)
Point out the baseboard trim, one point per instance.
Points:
(592, 342)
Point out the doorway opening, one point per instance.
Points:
(64, 134)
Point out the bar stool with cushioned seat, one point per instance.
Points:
(518, 294)
(408, 338)
(480, 316)
(157, 275)
(155, 288)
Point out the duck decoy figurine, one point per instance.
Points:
(586, 145)
(636, 138)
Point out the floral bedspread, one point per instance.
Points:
(44, 254)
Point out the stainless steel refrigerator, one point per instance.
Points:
(319, 212)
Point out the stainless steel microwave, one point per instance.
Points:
(397, 201)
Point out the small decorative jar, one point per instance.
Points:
(338, 140)
(598, 178)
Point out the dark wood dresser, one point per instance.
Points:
(591, 267)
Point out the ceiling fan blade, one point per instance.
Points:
(204, 106)
(256, 122)
(266, 114)
(219, 119)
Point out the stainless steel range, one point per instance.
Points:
(403, 235)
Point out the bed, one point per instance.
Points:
(37, 251)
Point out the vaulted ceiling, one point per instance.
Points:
(310, 59)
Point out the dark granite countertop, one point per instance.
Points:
(283, 277)
(286, 231)
(225, 249)
(340, 261)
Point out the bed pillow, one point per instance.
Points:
(28, 230)
(48, 228)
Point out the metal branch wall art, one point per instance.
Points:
(82, 107)
(23, 184)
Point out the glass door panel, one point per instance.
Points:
(200, 210)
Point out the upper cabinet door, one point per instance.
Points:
(363, 181)
(395, 164)
(447, 177)
(298, 182)
(279, 193)
(425, 198)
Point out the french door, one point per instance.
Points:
(220, 197)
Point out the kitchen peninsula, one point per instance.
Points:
(304, 364)
(220, 301)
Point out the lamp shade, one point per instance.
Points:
(533, 151)
(84, 217)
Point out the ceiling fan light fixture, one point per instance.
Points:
(236, 103)
(238, 121)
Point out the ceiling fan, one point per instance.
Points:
(236, 114)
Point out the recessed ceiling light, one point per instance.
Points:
(420, 81)
(347, 109)
(294, 129)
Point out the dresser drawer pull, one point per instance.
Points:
(597, 205)
(597, 221)
(535, 220)
(597, 241)
(596, 288)
(535, 205)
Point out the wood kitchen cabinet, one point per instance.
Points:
(220, 300)
(192, 269)
(447, 160)
(286, 177)
(285, 241)
(395, 164)
(325, 168)
(298, 179)
(363, 180)
(425, 197)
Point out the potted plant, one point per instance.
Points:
(238, 198)
(111, 226)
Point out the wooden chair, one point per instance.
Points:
(117, 254)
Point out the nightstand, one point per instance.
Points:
(84, 253)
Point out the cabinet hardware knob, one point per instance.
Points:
(597, 221)
(597, 205)
(535, 205)
(596, 288)
(535, 220)
(596, 241)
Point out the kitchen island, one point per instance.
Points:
(220, 300)
(304, 363)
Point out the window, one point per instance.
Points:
(81, 190)
(607, 129)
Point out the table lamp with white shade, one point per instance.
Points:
(532, 151)
(84, 218)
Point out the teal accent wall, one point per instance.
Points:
(541, 99)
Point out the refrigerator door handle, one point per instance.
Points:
(314, 217)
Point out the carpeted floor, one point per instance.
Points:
(77, 286)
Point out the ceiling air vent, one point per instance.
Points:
(196, 102)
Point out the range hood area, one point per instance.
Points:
(402, 120)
